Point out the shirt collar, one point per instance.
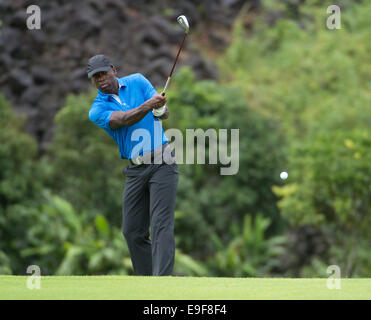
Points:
(105, 96)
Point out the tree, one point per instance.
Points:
(330, 188)
(207, 202)
(314, 82)
(84, 164)
(19, 185)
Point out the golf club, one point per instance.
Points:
(185, 25)
(182, 20)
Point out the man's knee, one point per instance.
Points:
(134, 235)
(128, 234)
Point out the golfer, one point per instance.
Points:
(123, 108)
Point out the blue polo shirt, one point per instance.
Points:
(139, 138)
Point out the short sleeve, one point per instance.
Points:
(148, 89)
(100, 117)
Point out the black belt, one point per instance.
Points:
(152, 153)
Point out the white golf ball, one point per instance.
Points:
(284, 175)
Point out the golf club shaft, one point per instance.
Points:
(172, 69)
(167, 83)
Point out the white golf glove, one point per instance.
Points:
(159, 112)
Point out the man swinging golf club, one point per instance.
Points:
(129, 109)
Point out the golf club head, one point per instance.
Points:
(183, 22)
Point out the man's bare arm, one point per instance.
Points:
(127, 118)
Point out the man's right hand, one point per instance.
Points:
(157, 101)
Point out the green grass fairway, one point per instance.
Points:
(174, 288)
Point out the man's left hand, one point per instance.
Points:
(165, 115)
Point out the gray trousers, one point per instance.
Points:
(149, 203)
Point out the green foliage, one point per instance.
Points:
(207, 201)
(187, 266)
(300, 76)
(250, 253)
(64, 241)
(40, 228)
(17, 152)
(84, 164)
(331, 187)
(316, 83)
(331, 183)
(4, 264)
(19, 185)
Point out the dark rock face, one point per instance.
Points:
(40, 67)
